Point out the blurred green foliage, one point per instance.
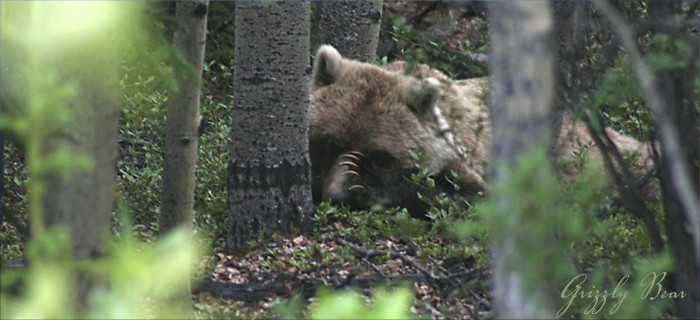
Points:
(135, 280)
(388, 304)
(563, 216)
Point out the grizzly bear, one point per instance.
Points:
(367, 123)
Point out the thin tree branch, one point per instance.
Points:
(19, 223)
(419, 18)
(641, 182)
(474, 272)
(678, 168)
(221, 25)
(628, 191)
(393, 254)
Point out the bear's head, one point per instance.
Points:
(364, 123)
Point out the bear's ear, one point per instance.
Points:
(329, 66)
(422, 99)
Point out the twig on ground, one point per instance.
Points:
(374, 253)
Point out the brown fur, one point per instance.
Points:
(364, 120)
(574, 136)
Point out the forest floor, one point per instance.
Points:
(283, 277)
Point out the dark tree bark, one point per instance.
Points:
(523, 89)
(675, 86)
(352, 27)
(269, 173)
(568, 39)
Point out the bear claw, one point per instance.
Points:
(355, 155)
(354, 173)
(356, 187)
(348, 163)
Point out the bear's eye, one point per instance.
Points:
(381, 159)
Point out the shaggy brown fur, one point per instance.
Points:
(364, 120)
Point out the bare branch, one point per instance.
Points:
(222, 25)
(627, 188)
(640, 183)
(680, 173)
(393, 254)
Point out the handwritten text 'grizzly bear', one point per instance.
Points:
(652, 290)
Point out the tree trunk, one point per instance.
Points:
(523, 90)
(669, 96)
(269, 173)
(83, 200)
(352, 27)
(2, 142)
(675, 86)
(181, 134)
(568, 40)
(68, 99)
